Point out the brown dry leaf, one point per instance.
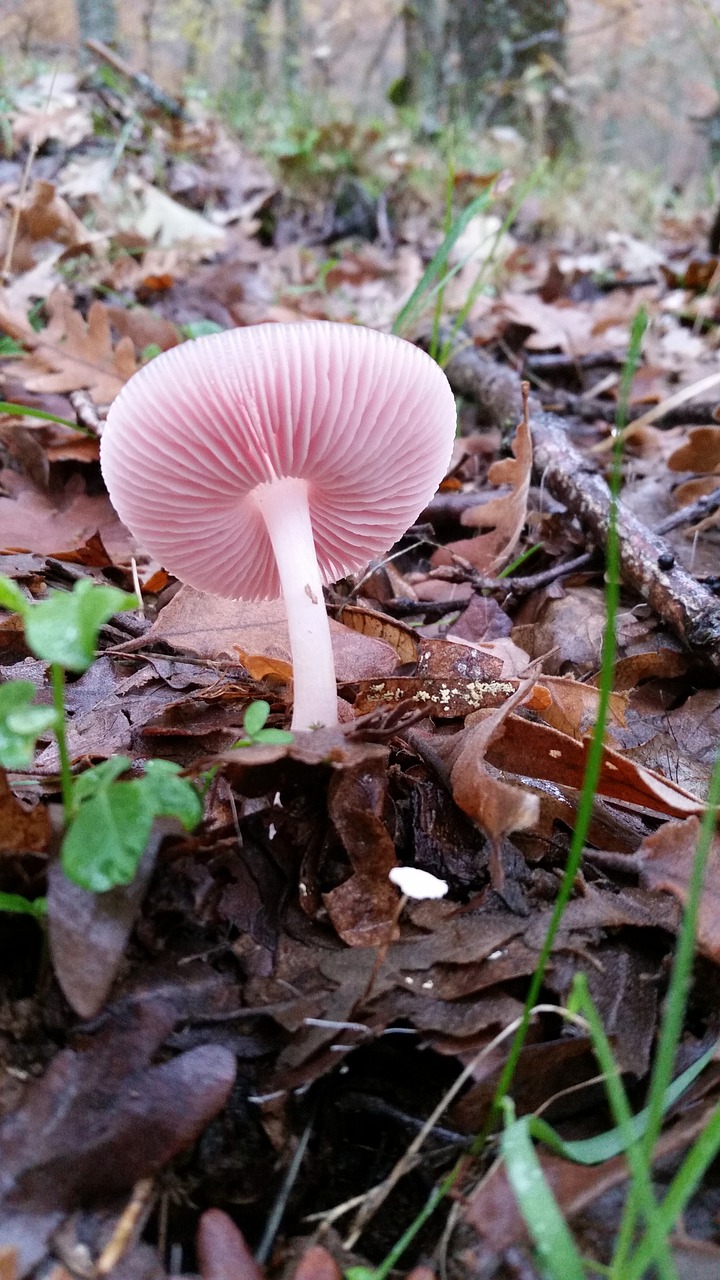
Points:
(567, 328)
(31, 520)
(700, 453)
(213, 628)
(573, 706)
(363, 908)
(260, 668)
(145, 328)
(58, 1153)
(566, 632)
(443, 701)
(371, 623)
(88, 932)
(503, 517)
(70, 354)
(22, 830)
(666, 863)
(45, 217)
(693, 489)
(538, 751)
(495, 805)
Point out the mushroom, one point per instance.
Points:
(272, 459)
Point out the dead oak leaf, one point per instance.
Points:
(72, 354)
(502, 518)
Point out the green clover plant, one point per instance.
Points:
(107, 821)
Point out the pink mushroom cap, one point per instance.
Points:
(365, 419)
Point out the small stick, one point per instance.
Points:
(153, 91)
(698, 510)
(128, 1226)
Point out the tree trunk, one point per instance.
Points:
(97, 20)
(255, 39)
(421, 22)
(498, 44)
(291, 41)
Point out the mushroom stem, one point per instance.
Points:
(285, 509)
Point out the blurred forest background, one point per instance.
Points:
(626, 82)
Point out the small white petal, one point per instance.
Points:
(418, 884)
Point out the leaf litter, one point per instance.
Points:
(261, 979)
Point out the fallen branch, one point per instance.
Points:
(147, 86)
(686, 606)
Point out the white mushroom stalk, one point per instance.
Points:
(284, 508)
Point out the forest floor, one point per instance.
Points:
(256, 1029)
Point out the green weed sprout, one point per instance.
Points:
(107, 821)
(253, 724)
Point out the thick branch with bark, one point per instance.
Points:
(688, 608)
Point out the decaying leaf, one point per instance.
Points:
(22, 829)
(666, 861)
(503, 518)
(71, 354)
(213, 628)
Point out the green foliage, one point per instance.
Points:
(24, 410)
(23, 906)
(545, 1222)
(9, 347)
(253, 724)
(113, 820)
(108, 821)
(200, 328)
(64, 628)
(21, 723)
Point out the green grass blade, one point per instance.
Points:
(686, 1180)
(537, 1204)
(25, 410)
(641, 1171)
(435, 271)
(675, 1003)
(613, 1142)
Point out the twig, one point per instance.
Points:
(698, 510)
(153, 91)
(262, 1253)
(128, 1226)
(463, 571)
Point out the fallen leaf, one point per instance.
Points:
(72, 354)
(88, 932)
(363, 908)
(666, 861)
(502, 517)
(369, 622)
(58, 1152)
(34, 520)
(700, 453)
(22, 829)
(211, 627)
(539, 751)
